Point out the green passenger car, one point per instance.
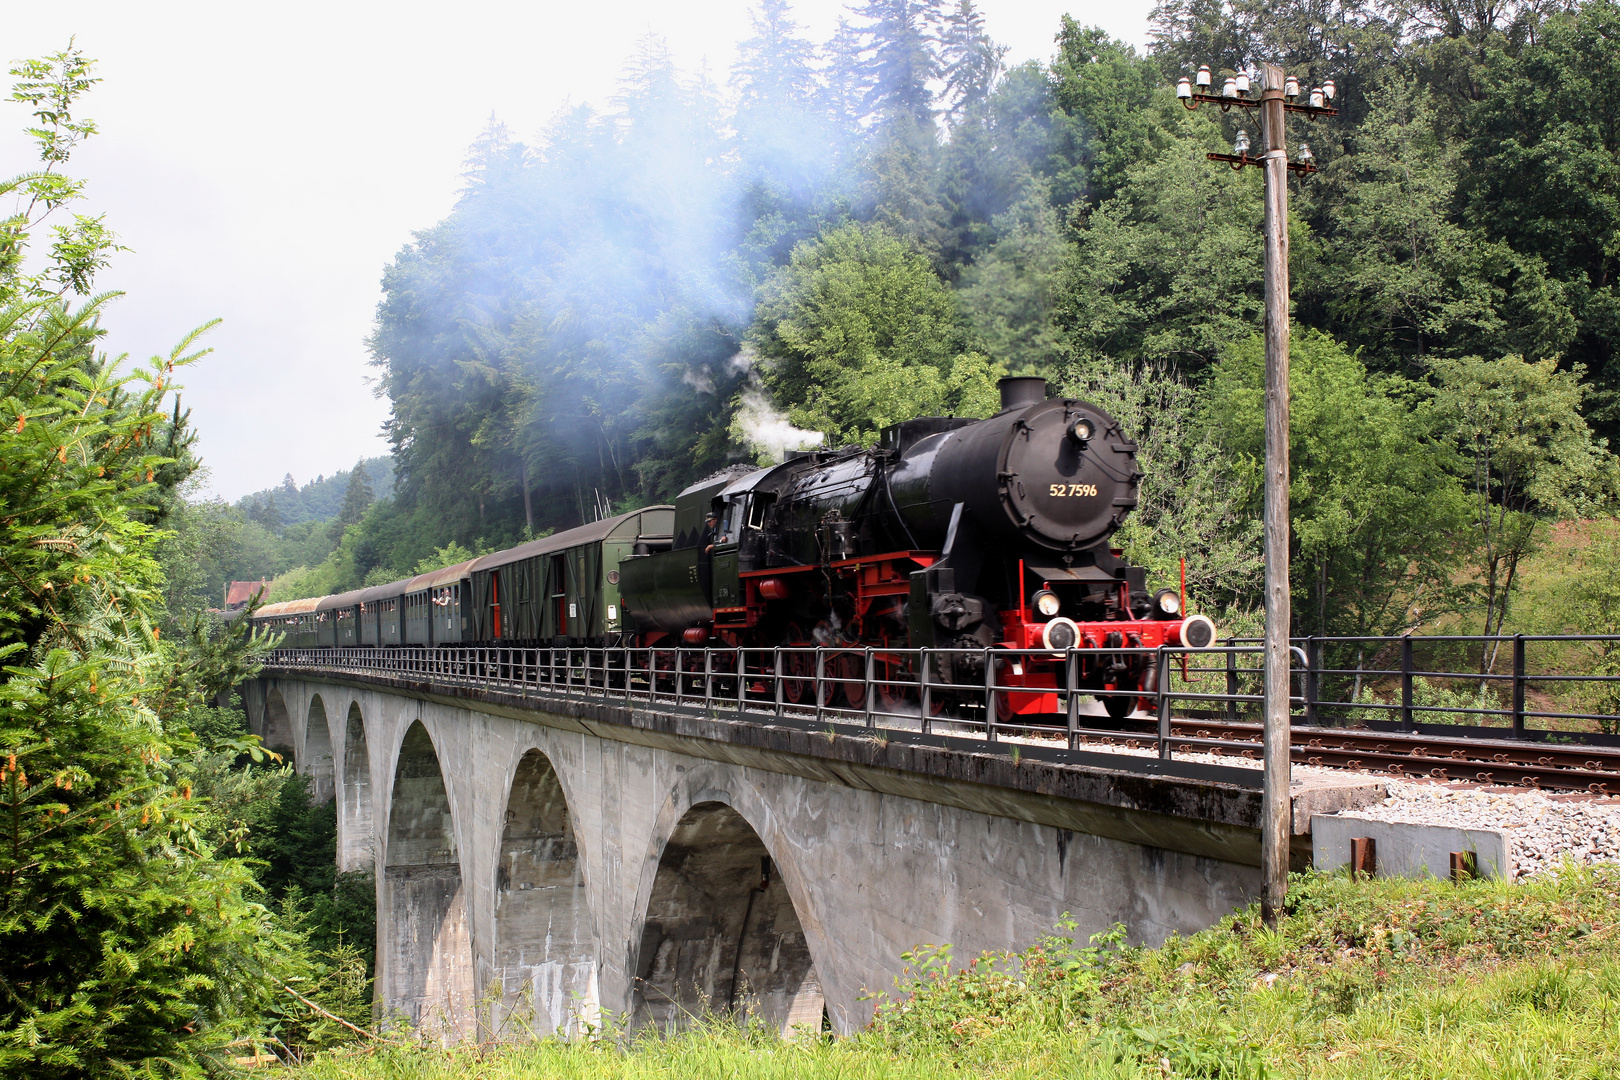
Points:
(564, 588)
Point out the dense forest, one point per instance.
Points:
(321, 499)
(857, 231)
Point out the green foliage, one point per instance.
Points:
(859, 329)
(1169, 270)
(1543, 173)
(1530, 458)
(319, 500)
(132, 942)
(1361, 980)
(1007, 295)
(453, 553)
(1375, 508)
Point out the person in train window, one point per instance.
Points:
(711, 526)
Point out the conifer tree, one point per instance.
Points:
(357, 499)
(126, 947)
(902, 57)
(846, 80)
(969, 60)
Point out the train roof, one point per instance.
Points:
(348, 599)
(385, 592)
(434, 578)
(746, 481)
(584, 534)
(288, 607)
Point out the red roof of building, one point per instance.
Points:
(239, 593)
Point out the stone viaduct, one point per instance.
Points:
(541, 863)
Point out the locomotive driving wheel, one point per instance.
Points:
(849, 669)
(797, 667)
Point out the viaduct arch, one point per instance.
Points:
(721, 935)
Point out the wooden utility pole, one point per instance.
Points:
(1276, 828)
(1276, 100)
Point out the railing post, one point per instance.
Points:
(1313, 676)
(870, 688)
(1071, 684)
(1518, 686)
(776, 669)
(821, 665)
(708, 679)
(1162, 660)
(742, 678)
(1406, 680)
(925, 695)
(1231, 683)
(989, 697)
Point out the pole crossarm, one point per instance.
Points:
(1239, 160)
(1226, 103)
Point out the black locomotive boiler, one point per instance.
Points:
(970, 535)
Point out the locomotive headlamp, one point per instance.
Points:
(1167, 603)
(1060, 635)
(1197, 632)
(1046, 603)
(1082, 430)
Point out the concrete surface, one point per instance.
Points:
(1407, 850)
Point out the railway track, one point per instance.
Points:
(1501, 762)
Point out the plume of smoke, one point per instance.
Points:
(758, 424)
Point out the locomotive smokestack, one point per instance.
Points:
(1021, 391)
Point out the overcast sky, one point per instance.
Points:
(264, 162)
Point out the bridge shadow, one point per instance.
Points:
(545, 946)
(317, 763)
(357, 823)
(722, 936)
(278, 730)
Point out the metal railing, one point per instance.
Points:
(877, 688)
(1502, 696)
(925, 690)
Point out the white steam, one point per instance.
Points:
(759, 424)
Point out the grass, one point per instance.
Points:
(1362, 979)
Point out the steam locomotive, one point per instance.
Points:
(969, 536)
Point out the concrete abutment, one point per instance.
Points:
(316, 761)
(546, 949)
